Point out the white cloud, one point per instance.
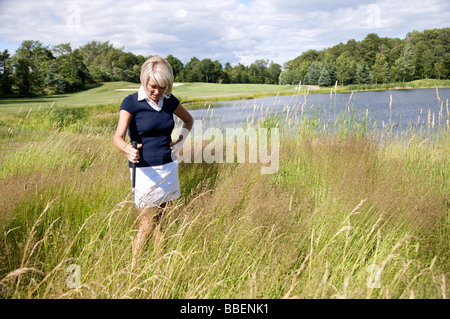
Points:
(228, 30)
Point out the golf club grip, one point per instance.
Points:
(133, 175)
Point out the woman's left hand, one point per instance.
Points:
(172, 144)
(176, 146)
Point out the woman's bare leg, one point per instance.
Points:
(158, 243)
(150, 218)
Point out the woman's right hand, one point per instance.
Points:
(132, 153)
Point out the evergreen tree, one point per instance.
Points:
(332, 71)
(366, 77)
(313, 74)
(358, 75)
(54, 81)
(363, 74)
(325, 79)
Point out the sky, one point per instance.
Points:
(235, 31)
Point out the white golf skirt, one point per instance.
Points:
(156, 184)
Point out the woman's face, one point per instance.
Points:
(154, 91)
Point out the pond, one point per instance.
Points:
(399, 108)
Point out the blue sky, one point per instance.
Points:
(235, 31)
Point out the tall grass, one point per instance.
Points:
(348, 215)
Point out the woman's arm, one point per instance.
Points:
(121, 133)
(188, 122)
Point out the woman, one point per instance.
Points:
(148, 117)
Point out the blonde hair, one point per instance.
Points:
(158, 70)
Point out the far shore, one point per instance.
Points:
(197, 94)
(199, 101)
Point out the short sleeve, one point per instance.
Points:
(128, 105)
(174, 102)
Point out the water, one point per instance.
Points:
(398, 108)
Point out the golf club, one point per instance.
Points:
(133, 172)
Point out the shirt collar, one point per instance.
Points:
(143, 96)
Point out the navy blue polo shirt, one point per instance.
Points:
(151, 128)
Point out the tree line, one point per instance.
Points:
(374, 60)
(39, 69)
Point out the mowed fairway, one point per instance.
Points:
(114, 92)
(350, 212)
